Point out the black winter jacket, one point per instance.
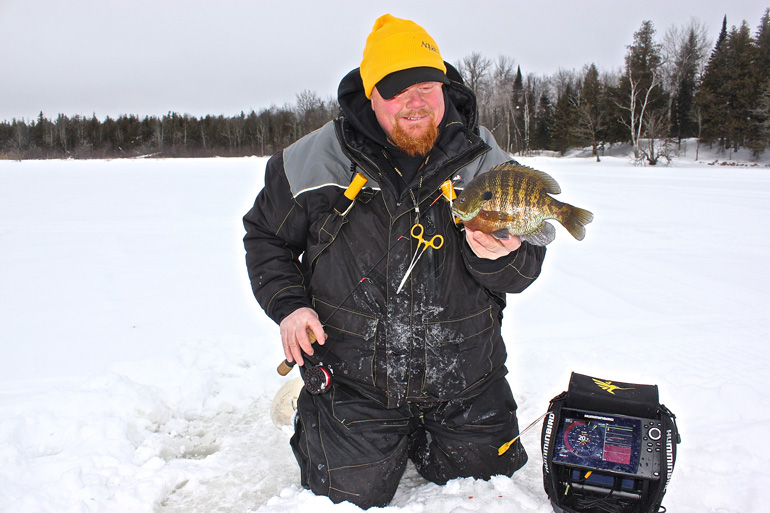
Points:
(437, 339)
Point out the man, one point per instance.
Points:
(414, 353)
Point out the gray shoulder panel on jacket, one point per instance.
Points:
(315, 161)
(496, 155)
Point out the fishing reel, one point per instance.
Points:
(318, 379)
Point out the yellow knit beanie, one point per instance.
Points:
(394, 45)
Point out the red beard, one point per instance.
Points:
(416, 146)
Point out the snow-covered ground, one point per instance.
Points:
(137, 369)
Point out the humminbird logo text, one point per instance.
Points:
(429, 47)
(547, 441)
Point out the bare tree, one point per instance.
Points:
(684, 51)
(641, 91)
(498, 112)
(563, 80)
(638, 103)
(658, 145)
(311, 111)
(474, 69)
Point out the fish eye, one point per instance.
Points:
(487, 195)
(462, 200)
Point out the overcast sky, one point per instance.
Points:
(149, 57)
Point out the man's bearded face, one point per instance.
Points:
(411, 118)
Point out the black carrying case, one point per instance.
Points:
(589, 394)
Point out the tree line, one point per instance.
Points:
(668, 90)
(171, 135)
(679, 86)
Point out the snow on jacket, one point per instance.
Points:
(437, 339)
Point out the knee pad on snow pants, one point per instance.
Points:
(346, 451)
(351, 448)
(435, 458)
(460, 438)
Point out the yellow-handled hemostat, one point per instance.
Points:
(449, 191)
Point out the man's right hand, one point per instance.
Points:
(294, 334)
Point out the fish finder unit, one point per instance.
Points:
(617, 444)
(607, 447)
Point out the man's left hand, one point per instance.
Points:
(487, 246)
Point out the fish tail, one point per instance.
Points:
(575, 220)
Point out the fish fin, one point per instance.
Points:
(544, 235)
(502, 233)
(487, 221)
(576, 220)
(496, 216)
(551, 186)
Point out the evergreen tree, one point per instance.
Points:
(565, 115)
(762, 110)
(590, 114)
(741, 90)
(762, 113)
(41, 133)
(616, 130)
(6, 136)
(710, 96)
(93, 129)
(517, 120)
(542, 133)
(683, 124)
(762, 40)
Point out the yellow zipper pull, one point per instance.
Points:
(345, 202)
(355, 186)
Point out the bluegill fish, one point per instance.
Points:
(511, 199)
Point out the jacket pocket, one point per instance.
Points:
(458, 353)
(350, 347)
(322, 233)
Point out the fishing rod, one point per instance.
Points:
(503, 448)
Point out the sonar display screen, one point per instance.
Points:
(611, 443)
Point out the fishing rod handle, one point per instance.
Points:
(286, 366)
